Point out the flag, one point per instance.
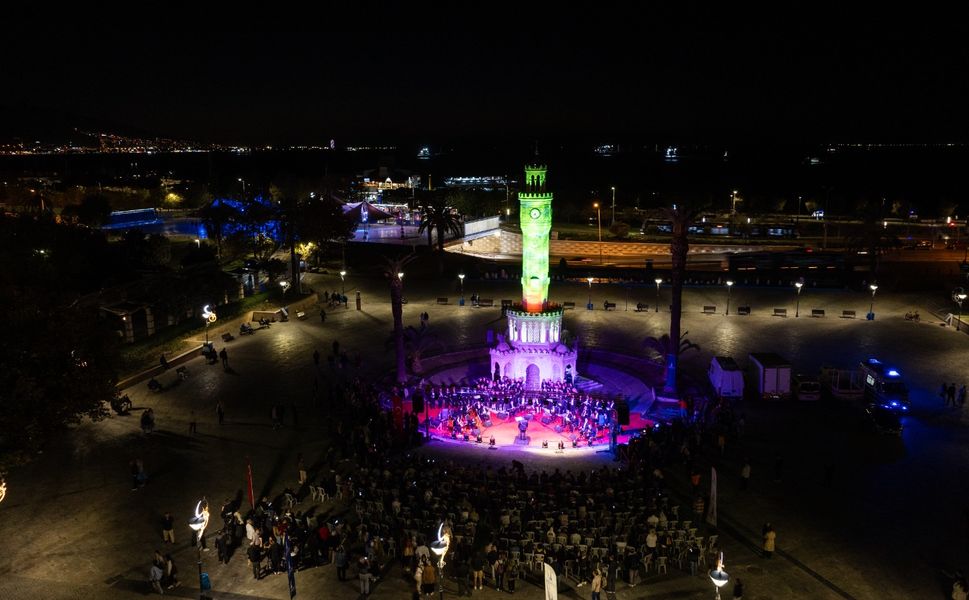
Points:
(290, 573)
(712, 512)
(551, 583)
(252, 499)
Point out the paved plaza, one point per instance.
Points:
(890, 517)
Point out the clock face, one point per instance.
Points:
(535, 213)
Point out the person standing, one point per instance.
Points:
(171, 573)
(738, 590)
(193, 424)
(428, 579)
(254, 554)
(163, 362)
(745, 474)
(596, 584)
(301, 469)
(220, 412)
(225, 359)
(322, 316)
(363, 570)
(341, 560)
(951, 395)
(168, 528)
(769, 540)
(316, 358)
(961, 396)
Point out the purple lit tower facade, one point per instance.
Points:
(534, 347)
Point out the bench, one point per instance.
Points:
(709, 310)
(817, 312)
(848, 314)
(568, 305)
(486, 302)
(301, 315)
(227, 337)
(506, 303)
(743, 310)
(609, 305)
(642, 307)
(442, 300)
(780, 312)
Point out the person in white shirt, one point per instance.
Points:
(651, 542)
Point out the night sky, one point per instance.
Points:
(689, 77)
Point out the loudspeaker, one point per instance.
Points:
(622, 413)
(418, 403)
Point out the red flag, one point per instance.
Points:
(398, 407)
(252, 499)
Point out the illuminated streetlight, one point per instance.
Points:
(343, 280)
(718, 576)
(797, 308)
(871, 309)
(439, 547)
(589, 305)
(243, 182)
(461, 279)
(729, 285)
(658, 280)
(198, 523)
(198, 243)
(599, 221)
(400, 276)
(209, 317)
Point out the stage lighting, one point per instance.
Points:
(544, 443)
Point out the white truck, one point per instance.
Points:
(726, 377)
(771, 375)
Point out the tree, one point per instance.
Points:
(60, 364)
(438, 215)
(418, 342)
(663, 347)
(392, 269)
(619, 230)
(681, 218)
(95, 210)
(874, 238)
(216, 215)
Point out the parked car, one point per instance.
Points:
(882, 420)
(806, 387)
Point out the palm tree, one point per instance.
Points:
(681, 218)
(874, 238)
(439, 216)
(663, 348)
(393, 268)
(418, 342)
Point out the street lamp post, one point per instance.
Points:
(589, 305)
(198, 523)
(243, 182)
(343, 281)
(797, 307)
(718, 576)
(959, 299)
(871, 308)
(599, 222)
(658, 281)
(210, 317)
(729, 285)
(461, 279)
(613, 205)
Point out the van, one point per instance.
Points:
(726, 377)
(806, 387)
(884, 385)
(771, 375)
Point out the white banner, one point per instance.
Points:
(712, 510)
(551, 583)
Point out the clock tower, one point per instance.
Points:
(535, 349)
(536, 223)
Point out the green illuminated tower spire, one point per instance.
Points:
(536, 222)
